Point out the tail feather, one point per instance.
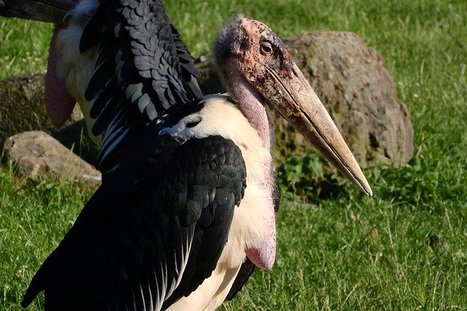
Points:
(37, 285)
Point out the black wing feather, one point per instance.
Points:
(127, 244)
(143, 67)
(246, 270)
(139, 44)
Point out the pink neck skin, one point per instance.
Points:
(58, 101)
(249, 102)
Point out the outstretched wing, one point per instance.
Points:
(153, 232)
(143, 68)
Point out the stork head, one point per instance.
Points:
(250, 49)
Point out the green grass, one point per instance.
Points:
(33, 218)
(342, 253)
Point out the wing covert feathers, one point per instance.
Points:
(147, 239)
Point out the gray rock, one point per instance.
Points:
(39, 156)
(22, 106)
(22, 109)
(356, 88)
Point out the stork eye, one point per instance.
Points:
(266, 48)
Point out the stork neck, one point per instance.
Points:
(251, 105)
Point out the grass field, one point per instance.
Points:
(403, 249)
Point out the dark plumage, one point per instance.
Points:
(121, 239)
(143, 69)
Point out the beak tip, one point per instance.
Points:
(365, 187)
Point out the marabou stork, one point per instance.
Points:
(190, 194)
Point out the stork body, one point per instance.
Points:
(189, 195)
(187, 178)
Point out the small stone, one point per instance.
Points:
(437, 243)
(39, 156)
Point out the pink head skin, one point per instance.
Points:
(258, 70)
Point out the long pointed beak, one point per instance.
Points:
(52, 11)
(298, 103)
